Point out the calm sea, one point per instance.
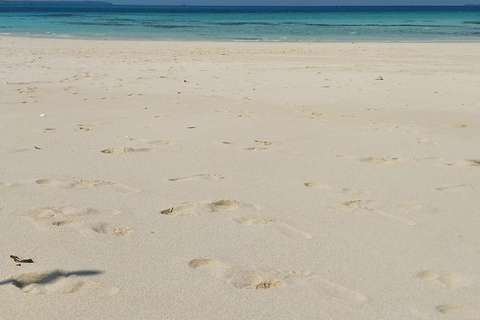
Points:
(312, 24)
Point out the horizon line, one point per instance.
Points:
(239, 5)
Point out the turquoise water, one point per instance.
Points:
(312, 24)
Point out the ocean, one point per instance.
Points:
(268, 24)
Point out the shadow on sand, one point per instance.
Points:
(43, 278)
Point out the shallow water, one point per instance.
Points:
(312, 24)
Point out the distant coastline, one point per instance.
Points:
(104, 3)
(62, 3)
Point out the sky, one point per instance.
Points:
(295, 2)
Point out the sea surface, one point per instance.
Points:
(268, 24)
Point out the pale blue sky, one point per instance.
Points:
(297, 2)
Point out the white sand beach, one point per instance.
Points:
(216, 180)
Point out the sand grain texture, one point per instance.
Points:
(184, 180)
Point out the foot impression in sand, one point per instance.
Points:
(254, 278)
(246, 278)
(195, 209)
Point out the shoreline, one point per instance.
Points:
(232, 40)
(473, 41)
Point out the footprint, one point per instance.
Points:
(255, 148)
(244, 114)
(387, 160)
(126, 150)
(316, 114)
(354, 205)
(393, 127)
(242, 277)
(89, 184)
(155, 142)
(62, 223)
(376, 160)
(195, 209)
(373, 206)
(460, 188)
(27, 90)
(84, 127)
(70, 89)
(266, 143)
(200, 176)
(60, 282)
(5, 184)
(112, 229)
(466, 163)
(344, 190)
(447, 279)
(426, 142)
(202, 262)
(59, 212)
(46, 181)
(161, 142)
(456, 309)
(247, 278)
(283, 227)
(73, 218)
(382, 160)
(313, 185)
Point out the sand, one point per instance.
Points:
(166, 180)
